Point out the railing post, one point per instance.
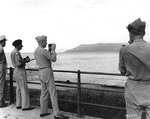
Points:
(79, 94)
(11, 86)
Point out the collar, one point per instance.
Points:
(139, 40)
(16, 50)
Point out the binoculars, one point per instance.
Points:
(27, 59)
(50, 47)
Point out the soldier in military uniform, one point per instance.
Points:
(3, 65)
(48, 89)
(22, 93)
(134, 63)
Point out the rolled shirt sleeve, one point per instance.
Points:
(18, 59)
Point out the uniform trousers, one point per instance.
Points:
(3, 84)
(48, 91)
(137, 95)
(22, 92)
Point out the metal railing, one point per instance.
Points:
(78, 102)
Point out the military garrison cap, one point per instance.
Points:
(17, 42)
(3, 37)
(40, 38)
(137, 27)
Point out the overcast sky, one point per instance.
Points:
(69, 23)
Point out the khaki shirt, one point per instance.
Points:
(16, 58)
(134, 61)
(43, 57)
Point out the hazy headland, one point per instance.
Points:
(98, 47)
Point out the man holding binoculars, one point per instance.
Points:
(44, 58)
(22, 92)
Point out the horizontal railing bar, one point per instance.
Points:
(30, 69)
(66, 86)
(65, 82)
(117, 91)
(82, 72)
(56, 85)
(33, 82)
(82, 87)
(66, 71)
(101, 73)
(85, 72)
(73, 83)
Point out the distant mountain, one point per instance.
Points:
(99, 47)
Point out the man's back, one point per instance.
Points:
(136, 58)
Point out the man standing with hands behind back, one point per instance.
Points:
(48, 89)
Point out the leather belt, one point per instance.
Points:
(43, 67)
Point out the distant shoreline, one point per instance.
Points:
(98, 47)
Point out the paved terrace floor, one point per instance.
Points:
(10, 112)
